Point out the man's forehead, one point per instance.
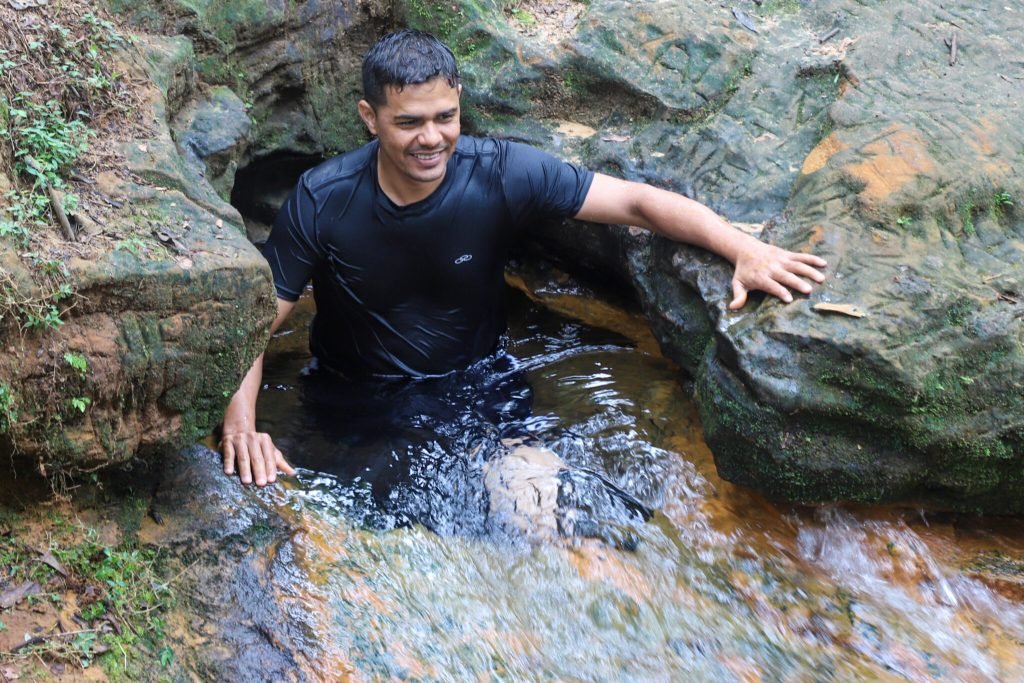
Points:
(437, 84)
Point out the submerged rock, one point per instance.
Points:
(538, 497)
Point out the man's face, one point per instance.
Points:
(417, 128)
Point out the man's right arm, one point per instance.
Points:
(253, 453)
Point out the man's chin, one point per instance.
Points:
(431, 175)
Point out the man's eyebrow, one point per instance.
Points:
(412, 117)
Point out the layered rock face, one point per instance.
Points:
(167, 313)
(859, 133)
(846, 130)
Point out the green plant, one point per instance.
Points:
(8, 407)
(78, 362)
(43, 133)
(120, 597)
(80, 403)
(524, 17)
(904, 221)
(967, 211)
(48, 318)
(134, 245)
(1001, 201)
(103, 33)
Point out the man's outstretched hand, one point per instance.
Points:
(255, 457)
(761, 266)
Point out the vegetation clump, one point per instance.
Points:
(59, 87)
(80, 600)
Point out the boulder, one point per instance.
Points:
(847, 131)
(171, 303)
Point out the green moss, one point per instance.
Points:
(868, 439)
(770, 7)
(524, 17)
(333, 105)
(224, 18)
(440, 17)
(8, 407)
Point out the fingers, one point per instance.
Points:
(242, 460)
(259, 470)
(739, 295)
(229, 456)
(791, 281)
(255, 456)
(805, 270)
(809, 259)
(282, 464)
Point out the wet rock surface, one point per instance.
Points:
(240, 613)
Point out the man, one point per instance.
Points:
(406, 238)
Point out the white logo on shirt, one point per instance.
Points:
(462, 259)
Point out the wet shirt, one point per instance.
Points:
(419, 289)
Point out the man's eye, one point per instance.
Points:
(406, 124)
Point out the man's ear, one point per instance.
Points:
(369, 116)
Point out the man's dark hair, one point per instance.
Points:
(406, 57)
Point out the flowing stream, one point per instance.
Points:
(718, 585)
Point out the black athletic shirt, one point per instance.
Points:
(419, 289)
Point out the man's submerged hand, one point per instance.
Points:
(773, 270)
(255, 456)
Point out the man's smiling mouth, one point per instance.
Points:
(428, 156)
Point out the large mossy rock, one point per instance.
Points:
(166, 316)
(868, 148)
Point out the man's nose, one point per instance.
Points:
(430, 135)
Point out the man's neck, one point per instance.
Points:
(402, 191)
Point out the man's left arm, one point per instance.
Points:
(757, 265)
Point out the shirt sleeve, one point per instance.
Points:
(538, 185)
(292, 249)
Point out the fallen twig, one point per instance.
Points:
(829, 35)
(36, 640)
(1003, 296)
(55, 203)
(952, 49)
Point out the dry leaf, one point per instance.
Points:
(846, 309)
(12, 596)
(657, 155)
(615, 138)
(744, 19)
(48, 559)
(219, 223)
(143, 148)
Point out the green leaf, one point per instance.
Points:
(78, 362)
